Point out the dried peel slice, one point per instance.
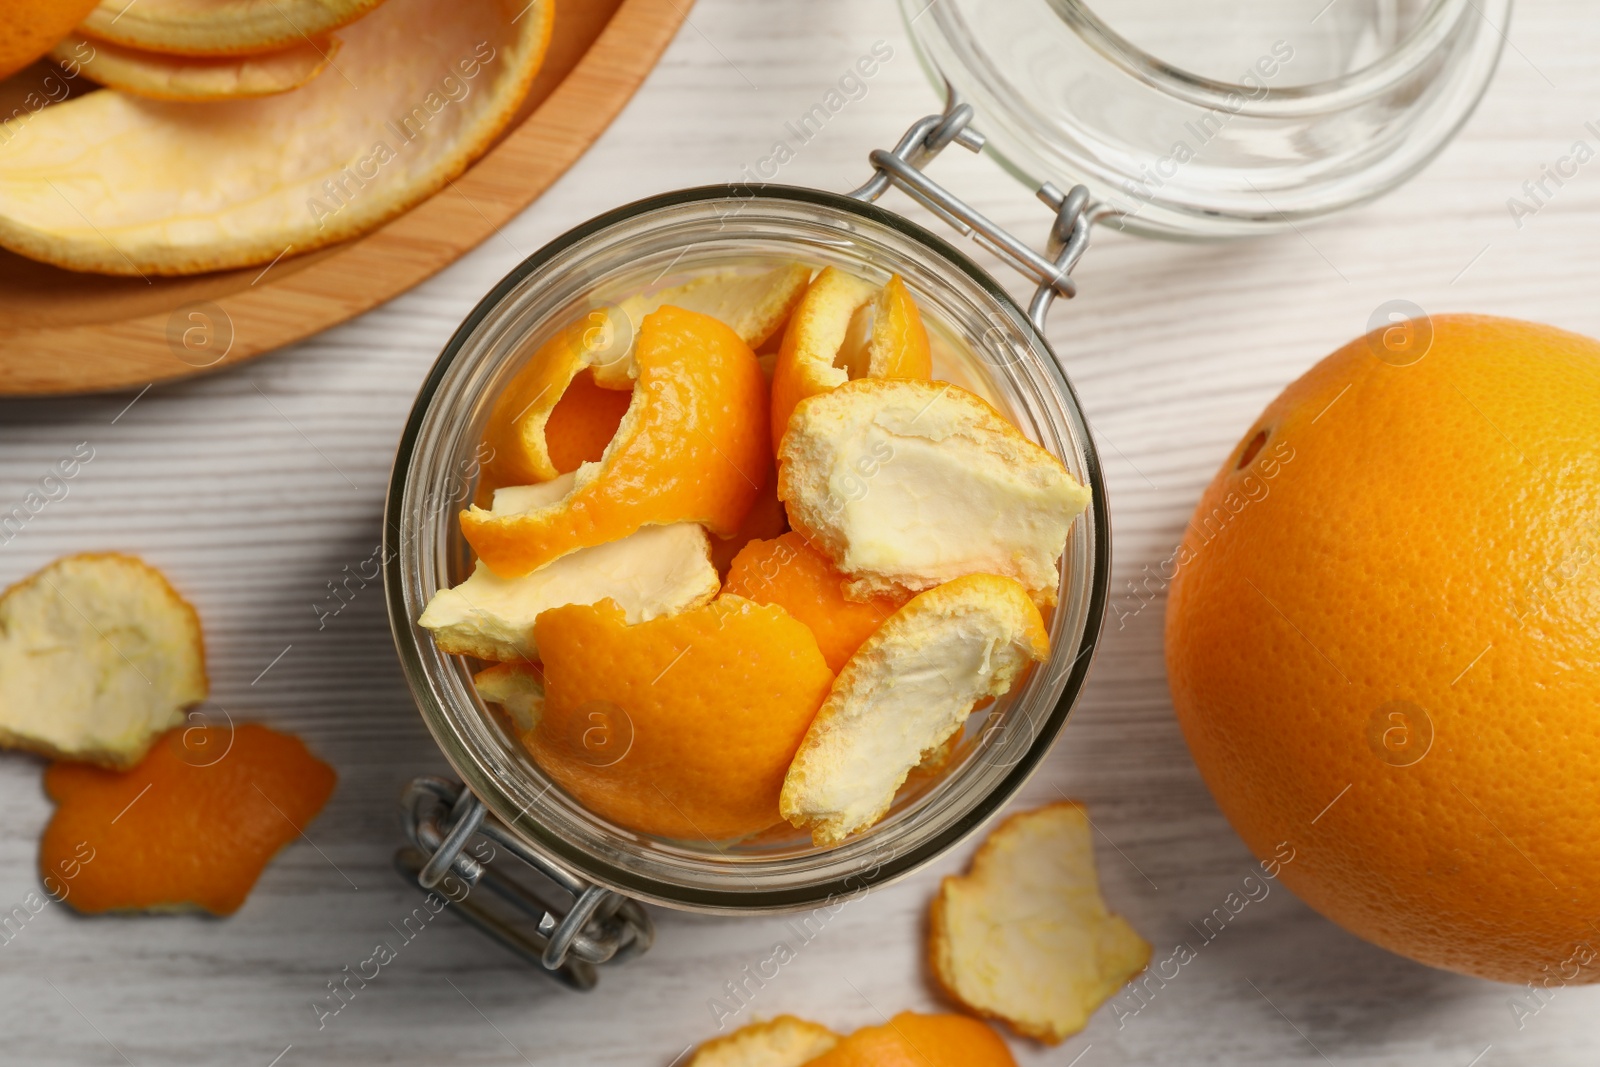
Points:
(1025, 936)
(28, 29)
(192, 826)
(908, 688)
(786, 1041)
(911, 1039)
(692, 448)
(905, 484)
(99, 656)
(159, 76)
(846, 328)
(654, 571)
(754, 306)
(218, 27)
(118, 185)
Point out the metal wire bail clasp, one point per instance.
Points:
(1069, 235)
(568, 939)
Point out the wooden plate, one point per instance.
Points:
(63, 332)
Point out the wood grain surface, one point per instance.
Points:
(256, 487)
(69, 332)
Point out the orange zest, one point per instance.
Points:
(788, 572)
(692, 448)
(192, 826)
(683, 726)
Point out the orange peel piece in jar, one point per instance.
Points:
(788, 572)
(692, 448)
(160, 76)
(905, 484)
(786, 1041)
(843, 329)
(911, 1039)
(191, 827)
(908, 688)
(683, 726)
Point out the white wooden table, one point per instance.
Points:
(254, 488)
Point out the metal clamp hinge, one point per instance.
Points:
(568, 939)
(1069, 234)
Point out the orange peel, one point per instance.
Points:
(518, 688)
(160, 76)
(113, 184)
(691, 448)
(845, 328)
(915, 1040)
(191, 827)
(786, 1041)
(683, 726)
(1025, 936)
(907, 689)
(28, 28)
(765, 520)
(788, 572)
(218, 27)
(99, 656)
(905, 484)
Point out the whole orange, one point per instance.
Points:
(30, 28)
(1383, 643)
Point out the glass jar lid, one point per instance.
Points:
(1214, 118)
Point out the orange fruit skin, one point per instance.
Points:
(788, 572)
(30, 28)
(683, 726)
(913, 1040)
(583, 422)
(193, 824)
(692, 448)
(1427, 533)
(765, 520)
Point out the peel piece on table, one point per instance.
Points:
(908, 688)
(1025, 936)
(191, 827)
(682, 726)
(99, 656)
(911, 1039)
(786, 1041)
(788, 572)
(906, 484)
(843, 329)
(218, 27)
(160, 76)
(752, 305)
(692, 448)
(516, 687)
(654, 571)
(110, 183)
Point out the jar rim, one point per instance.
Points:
(473, 770)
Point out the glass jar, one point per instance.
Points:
(1376, 92)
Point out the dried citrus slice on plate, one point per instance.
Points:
(1025, 936)
(692, 448)
(160, 76)
(218, 27)
(908, 688)
(192, 826)
(682, 726)
(905, 484)
(99, 656)
(118, 185)
(846, 328)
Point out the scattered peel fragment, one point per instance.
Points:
(654, 571)
(160, 76)
(905, 484)
(912, 1039)
(907, 689)
(192, 826)
(219, 27)
(99, 656)
(846, 328)
(1025, 936)
(692, 448)
(786, 1041)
